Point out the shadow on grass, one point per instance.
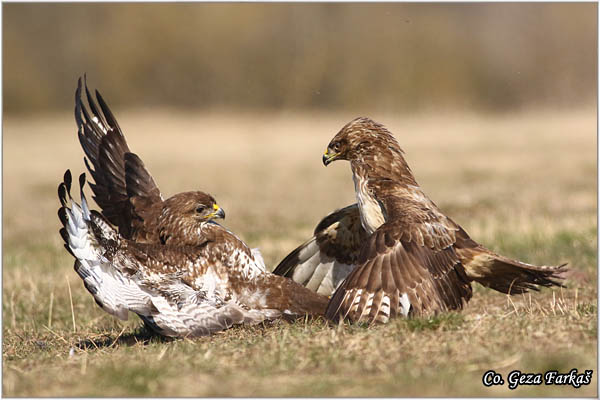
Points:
(143, 335)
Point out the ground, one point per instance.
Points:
(522, 184)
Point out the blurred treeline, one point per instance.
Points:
(395, 57)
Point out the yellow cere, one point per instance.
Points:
(215, 207)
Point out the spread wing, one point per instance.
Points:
(123, 187)
(327, 258)
(402, 271)
(178, 291)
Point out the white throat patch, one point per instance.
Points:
(371, 215)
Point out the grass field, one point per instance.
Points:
(522, 184)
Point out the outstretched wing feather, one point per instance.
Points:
(391, 269)
(110, 162)
(326, 259)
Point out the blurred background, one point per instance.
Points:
(495, 105)
(392, 58)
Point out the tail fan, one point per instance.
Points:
(506, 275)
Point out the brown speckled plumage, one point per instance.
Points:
(413, 259)
(167, 260)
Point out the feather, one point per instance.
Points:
(168, 262)
(413, 255)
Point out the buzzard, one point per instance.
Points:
(167, 261)
(394, 252)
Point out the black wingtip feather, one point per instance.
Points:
(82, 180)
(110, 118)
(67, 179)
(287, 265)
(88, 166)
(93, 107)
(78, 119)
(69, 249)
(77, 266)
(62, 215)
(65, 236)
(62, 194)
(63, 233)
(92, 289)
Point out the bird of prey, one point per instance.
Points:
(167, 261)
(394, 252)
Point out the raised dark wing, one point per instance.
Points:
(325, 260)
(402, 272)
(118, 174)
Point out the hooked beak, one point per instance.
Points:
(328, 157)
(218, 213)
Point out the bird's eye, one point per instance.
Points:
(336, 147)
(200, 209)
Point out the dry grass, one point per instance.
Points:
(522, 184)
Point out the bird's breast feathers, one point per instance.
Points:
(371, 214)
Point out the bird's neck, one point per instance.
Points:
(372, 214)
(179, 233)
(377, 183)
(385, 164)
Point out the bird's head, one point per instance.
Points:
(359, 137)
(183, 214)
(193, 206)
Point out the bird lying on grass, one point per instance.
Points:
(394, 252)
(167, 261)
